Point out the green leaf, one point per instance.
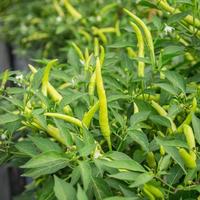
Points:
(168, 88)
(140, 138)
(52, 161)
(81, 195)
(7, 118)
(85, 173)
(142, 179)
(63, 190)
(45, 144)
(120, 44)
(101, 188)
(196, 127)
(139, 117)
(176, 79)
(127, 175)
(124, 164)
(27, 147)
(160, 120)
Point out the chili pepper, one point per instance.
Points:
(53, 93)
(50, 89)
(131, 52)
(97, 31)
(55, 133)
(117, 29)
(188, 160)
(148, 194)
(107, 30)
(103, 110)
(135, 107)
(45, 78)
(4, 79)
(189, 19)
(151, 160)
(147, 35)
(79, 52)
(72, 10)
(189, 117)
(96, 47)
(102, 54)
(162, 150)
(154, 190)
(163, 113)
(140, 49)
(86, 35)
(91, 87)
(107, 8)
(189, 136)
(67, 110)
(89, 115)
(66, 118)
(58, 8)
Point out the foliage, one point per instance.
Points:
(50, 123)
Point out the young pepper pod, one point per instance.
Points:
(188, 160)
(151, 160)
(103, 110)
(155, 191)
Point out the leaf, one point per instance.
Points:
(63, 190)
(139, 117)
(124, 164)
(173, 152)
(51, 160)
(196, 127)
(45, 144)
(176, 79)
(127, 175)
(168, 88)
(101, 188)
(140, 138)
(142, 179)
(81, 195)
(85, 173)
(120, 44)
(27, 147)
(116, 155)
(7, 118)
(163, 121)
(121, 198)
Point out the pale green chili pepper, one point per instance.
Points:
(189, 117)
(151, 160)
(66, 118)
(72, 10)
(79, 52)
(155, 191)
(103, 110)
(140, 49)
(188, 160)
(189, 135)
(147, 35)
(4, 79)
(189, 19)
(45, 78)
(163, 113)
(87, 118)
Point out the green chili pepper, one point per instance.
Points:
(189, 19)
(79, 52)
(155, 191)
(4, 79)
(188, 160)
(131, 52)
(58, 8)
(189, 117)
(91, 87)
(72, 10)
(148, 194)
(151, 160)
(45, 78)
(55, 133)
(189, 136)
(147, 35)
(90, 114)
(163, 113)
(103, 110)
(67, 110)
(140, 49)
(66, 118)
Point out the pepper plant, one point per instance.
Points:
(115, 121)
